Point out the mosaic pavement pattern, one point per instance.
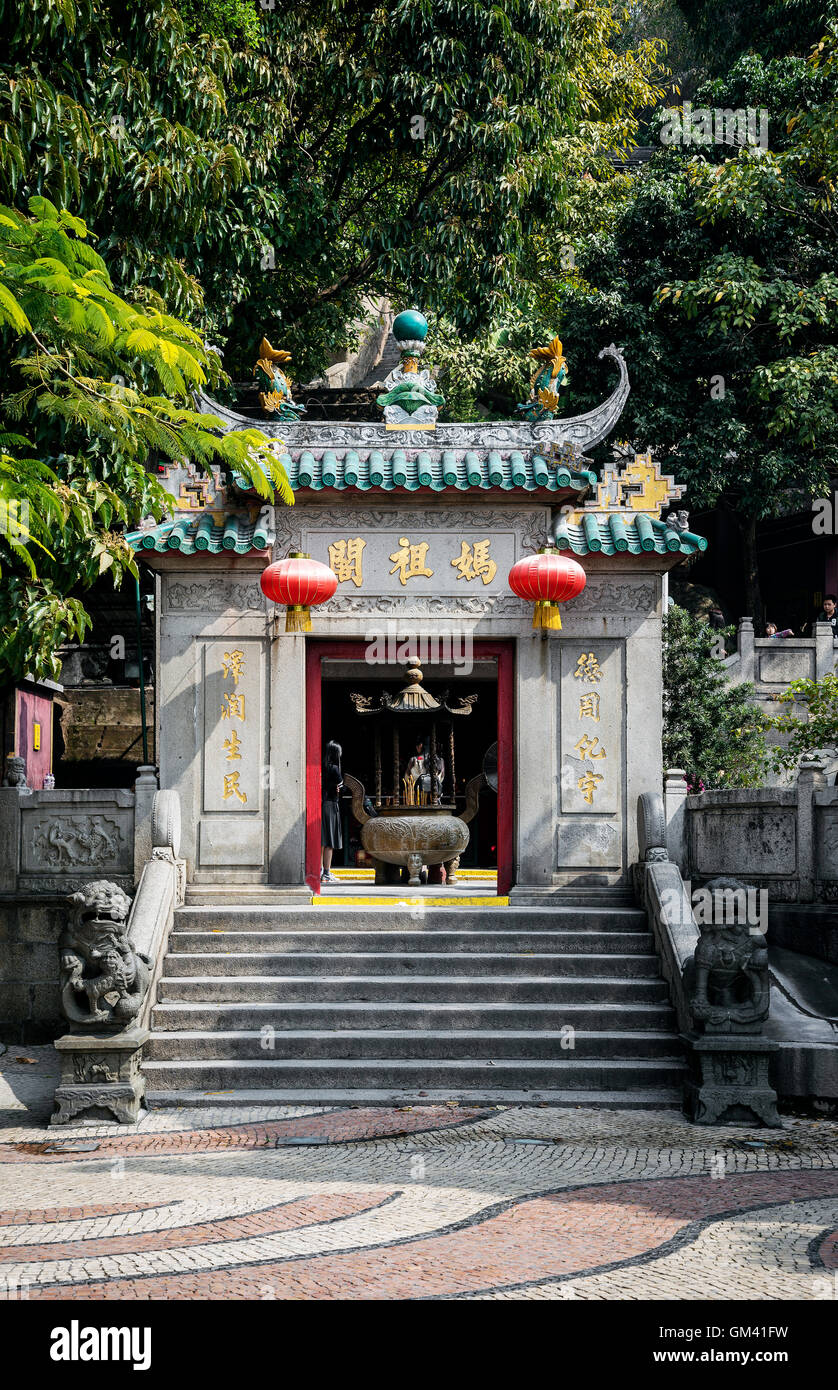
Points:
(436, 1202)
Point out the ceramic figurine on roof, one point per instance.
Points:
(546, 384)
(275, 395)
(411, 400)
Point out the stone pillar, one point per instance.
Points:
(535, 752)
(145, 789)
(10, 799)
(675, 794)
(811, 777)
(745, 646)
(824, 650)
(287, 758)
(643, 723)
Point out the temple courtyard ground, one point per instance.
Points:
(422, 1202)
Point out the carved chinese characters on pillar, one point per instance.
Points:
(591, 728)
(233, 707)
(233, 726)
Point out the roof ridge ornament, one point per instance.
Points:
(413, 698)
(410, 400)
(630, 486)
(581, 431)
(275, 395)
(546, 384)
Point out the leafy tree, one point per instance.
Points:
(711, 728)
(811, 724)
(773, 28)
(718, 278)
(412, 149)
(237, 21)
(102, 391)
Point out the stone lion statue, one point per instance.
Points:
(103, 979)
(15, 771)
(730, 980)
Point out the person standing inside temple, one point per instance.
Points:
(330, 831)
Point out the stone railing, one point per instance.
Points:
(718, 983)
(110, 962)
(771, 663)
(782, 839)
(661, 890)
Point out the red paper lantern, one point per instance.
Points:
(301, 584)
(548, 579)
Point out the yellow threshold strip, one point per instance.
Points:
(363, 900)
(368, 875)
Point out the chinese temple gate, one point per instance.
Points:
(420, 526)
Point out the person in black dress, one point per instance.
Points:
(330, 834)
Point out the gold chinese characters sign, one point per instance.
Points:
(591, 732)
(234, 732)
(416, 560)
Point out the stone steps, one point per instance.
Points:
(222, 988)
(419, 916)
(413, 1044)
(408, 1074)
(391, 1004)
(425, 964)
(203, 1017)
(263, 1098)
(331, 944)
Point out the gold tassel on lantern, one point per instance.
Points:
(297, 618)
(547, 615)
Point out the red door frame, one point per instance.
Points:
(316, 650)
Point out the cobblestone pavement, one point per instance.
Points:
(438, 1202)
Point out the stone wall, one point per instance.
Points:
(30, 1010)
(104, 722)
(783, 839)
(351, 368)
(771, 663)
(51, 843)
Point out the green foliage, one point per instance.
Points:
(412, 149)
(485, 378)
(237, 21)
(717, 276)
(102, 388)
(771, 27)
(813, 729)
(710, 728)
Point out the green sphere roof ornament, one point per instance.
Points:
(409, 326)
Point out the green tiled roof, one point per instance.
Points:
(411, 470)
(613, 534)
(191, 534)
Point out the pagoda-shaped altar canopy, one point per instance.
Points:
(414, 710)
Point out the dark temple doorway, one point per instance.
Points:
(475, 748)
